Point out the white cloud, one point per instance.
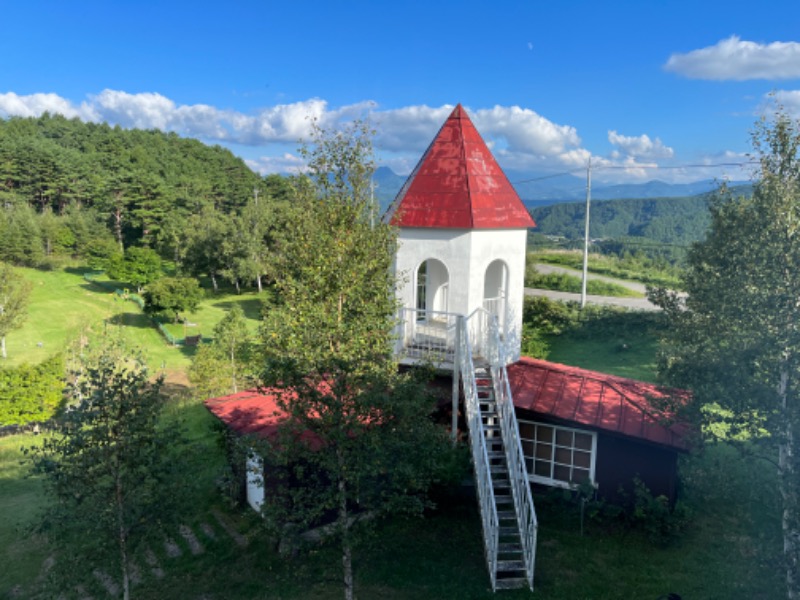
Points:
(788, 99)
(34, 105)
(639, 146)
(410, 128)
(735, 59)
(525, 131)
(520, 138)
(285, 163)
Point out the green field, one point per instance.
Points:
(63, 304)
(730, 547)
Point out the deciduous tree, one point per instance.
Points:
(109, 469)
(327, 346)
(223, 365)
(14, 293)
(171, 296)
(735, 339)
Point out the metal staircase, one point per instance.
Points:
(508, 515)
(472, 346)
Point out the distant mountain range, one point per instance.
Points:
(538, 191)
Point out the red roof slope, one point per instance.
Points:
(458, 184)
(595, 400)
(249, 412)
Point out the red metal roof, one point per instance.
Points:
(458, 184)
(595, 400)
(251, 412)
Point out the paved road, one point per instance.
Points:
(633, 303)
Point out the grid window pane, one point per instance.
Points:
(557, 455)
(544, 451)
(563, 437)
(583, 441)
(564, 456)
(527, 448)
(544, 434)
(582, 459)
(561, 472)
(542, 468)
(580, 475)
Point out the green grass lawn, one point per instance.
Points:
(63, 304)
(632, 356)
(21, 554)
(730, 548)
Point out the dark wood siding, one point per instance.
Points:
(620, 460)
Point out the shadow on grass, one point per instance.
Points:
(131, 319)
(252, 307)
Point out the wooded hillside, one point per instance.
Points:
(75, 189)
(667, 220)
(137, 182)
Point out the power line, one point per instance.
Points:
(629, 167)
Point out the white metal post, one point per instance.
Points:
(456, 373)
(586, 232)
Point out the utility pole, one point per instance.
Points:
(255, 195)
(586, 233)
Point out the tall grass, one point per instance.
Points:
(633, 268)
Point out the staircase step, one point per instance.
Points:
(508, 531)
(509, 548)
(510, 565)
(511, 583)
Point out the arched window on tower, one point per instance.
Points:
(495, 292)
(432, 287)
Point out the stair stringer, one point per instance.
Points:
(524, 509)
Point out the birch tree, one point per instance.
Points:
(735, 339)
(359, 436)
(14, 294)
(109, 469)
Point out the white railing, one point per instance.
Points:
(426, 335)
(480, 456)
(515, 460)
(497, 306)
(441, 337)
(517, 473)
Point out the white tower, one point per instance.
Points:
(463, 233)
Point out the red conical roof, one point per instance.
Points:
(459, 185)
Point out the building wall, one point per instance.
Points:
(620, 460)
(466, 254)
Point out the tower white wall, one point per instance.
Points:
(466, 254)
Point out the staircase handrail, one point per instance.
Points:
(515, 459)
(480, 457)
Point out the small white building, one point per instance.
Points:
(462, 240)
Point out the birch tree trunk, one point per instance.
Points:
(788, 489)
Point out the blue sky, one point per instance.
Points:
(634, 85)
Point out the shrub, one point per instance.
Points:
(31, 393)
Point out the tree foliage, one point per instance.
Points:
(109, 469)
(31, 393)
(359, 435)
(171, 296)
(14, 293)
(224, 365)
(139, 266)
(735, 340)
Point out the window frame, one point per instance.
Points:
(531, 458)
